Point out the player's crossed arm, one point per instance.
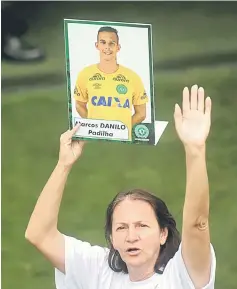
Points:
(139, 114)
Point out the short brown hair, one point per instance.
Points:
(108, 29)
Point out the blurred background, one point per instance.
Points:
(193, 43)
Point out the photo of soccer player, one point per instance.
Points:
(98, 82)
(108, 82)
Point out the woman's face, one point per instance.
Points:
(136, 233)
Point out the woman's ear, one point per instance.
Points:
(163, 236)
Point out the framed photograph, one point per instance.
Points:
(110, 85)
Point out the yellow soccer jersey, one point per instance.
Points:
(110, 96)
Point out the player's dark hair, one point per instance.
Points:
(108, 29)
(164, 219)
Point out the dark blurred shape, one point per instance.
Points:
(14, 26)
(194, 61)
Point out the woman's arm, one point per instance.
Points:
(193, 125)
(42, 229)
(195, 232)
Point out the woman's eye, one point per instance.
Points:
(143, 225)
(120, 228)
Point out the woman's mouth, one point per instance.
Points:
(133, 251)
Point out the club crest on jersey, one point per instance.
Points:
(96, 77)
(121, 89)
(110, 101)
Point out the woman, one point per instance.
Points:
(144, 246)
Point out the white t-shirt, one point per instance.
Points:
(87, 267)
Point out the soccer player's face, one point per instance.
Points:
(108, 46)
(136, 234)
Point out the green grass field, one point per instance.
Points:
(34, 118)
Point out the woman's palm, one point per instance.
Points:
(193, 122)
